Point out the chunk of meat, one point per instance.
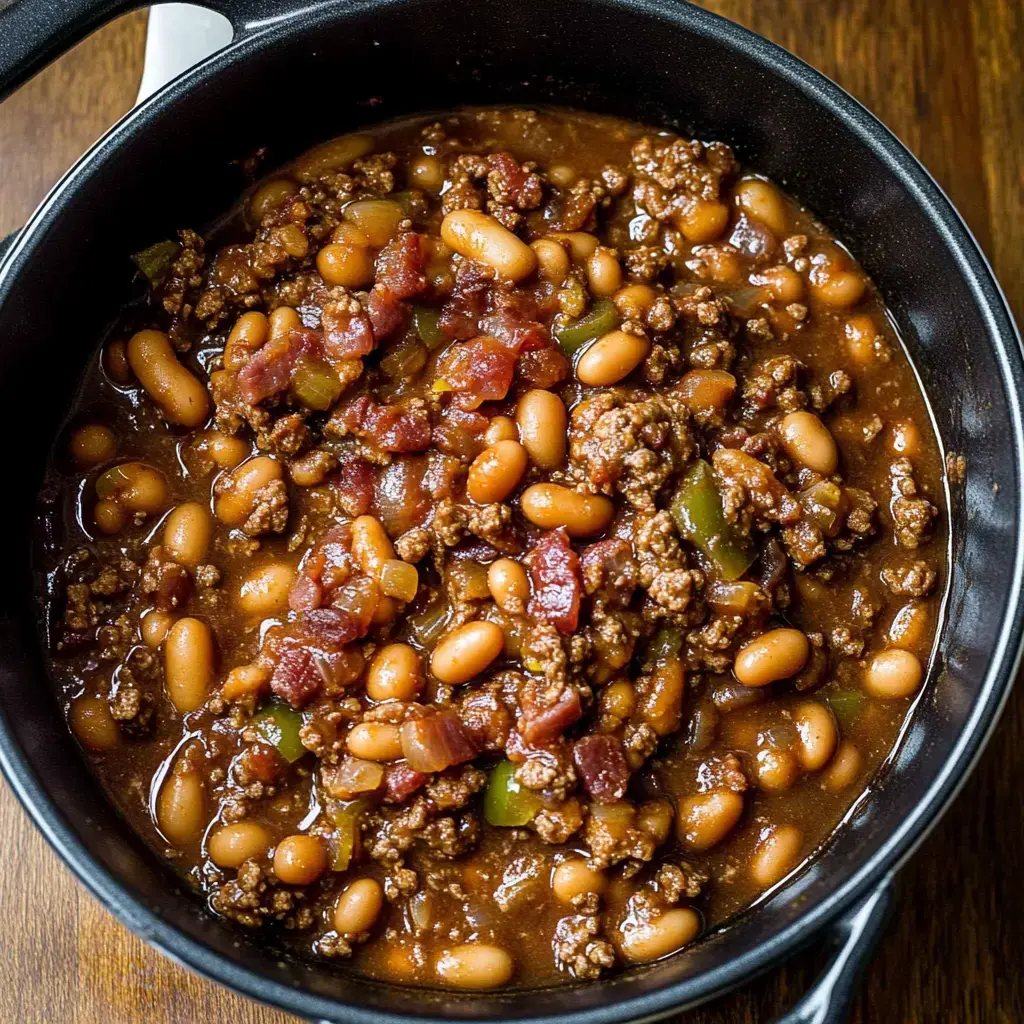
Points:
(296, 677)
(392, 428)
(513, 184)
(400, 266)
(543, 368)
(468, 301)
(540, 723)
(400, 782)
(348, 333)
(609, 571)
(602, 766)
(557, 585)
(387, 314)
(478, 371)
(354, 483)
(269, 371)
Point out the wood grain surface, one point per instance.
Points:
(948, 78)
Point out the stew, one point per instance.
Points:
(501, 550)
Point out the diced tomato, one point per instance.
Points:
(479, 371)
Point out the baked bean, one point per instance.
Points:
(155, 626)
(782, 283)
(395, 674)
(835, 286)
(777, 654)
(264, 592)
(249, 333)
(465, 652)
(178, 393)
(300, 860)
(581, 244)
(332, 156)
(496, 472)
(188, 664)
(573, 878)
(844, 769)
(604, 275)
(312, 468)
(635, 300)
(358, 907)
(377, 219)
(662, 704)
(292, 238)
(703, 220)
(501, 428)
(655, 818)
(237, 497)
(92, 444)
(475, 965)
(134, 486)
(93, 724)
(707, 390)
(551, 506)
(909, 626)
(508, 585)
(110, 518)
(552, 260)
(816, 729)
(375, 741)
(115, 363)
(480, 237)
(269, 196)
(427, 172)
(762, 201)
(862, 339)
(666, 934)
(905, 438)
(232, 845)
(613, 356)
(542, 420)
(283, 320)
(224, 451)
(809, 441)
(777, 770)
(618, 699)
(719, 263)
(187, 533)
(776, 855)
(561, 175)
(371, 545)
(350, 266)
(181, 806)
(245, 681)
(893, 674)
(705, 819)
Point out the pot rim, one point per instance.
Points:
(993, 692)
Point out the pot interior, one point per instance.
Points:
(351, 66)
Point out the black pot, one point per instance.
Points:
(292, 77)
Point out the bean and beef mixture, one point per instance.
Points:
(501, 550)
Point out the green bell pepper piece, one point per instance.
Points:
(506, 802)
(279, 725)
(572, 335)
(155, 262)
(846, 705)
(427, 323)
(697, 511)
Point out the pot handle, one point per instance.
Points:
(35, 32)
(853, 940)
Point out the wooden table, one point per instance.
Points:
(948, 77)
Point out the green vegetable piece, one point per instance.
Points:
(429, 624)
(315, 384)
(346, 817)
(155, 262)
(697, 511)
(505, 801)
(427, 323)
(572, 335)
(846, 705)
(667, 643)
(279, 725)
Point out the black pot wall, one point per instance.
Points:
(170, 165)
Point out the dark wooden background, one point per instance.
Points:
(948, 77)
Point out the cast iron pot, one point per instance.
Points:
(295, 76)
